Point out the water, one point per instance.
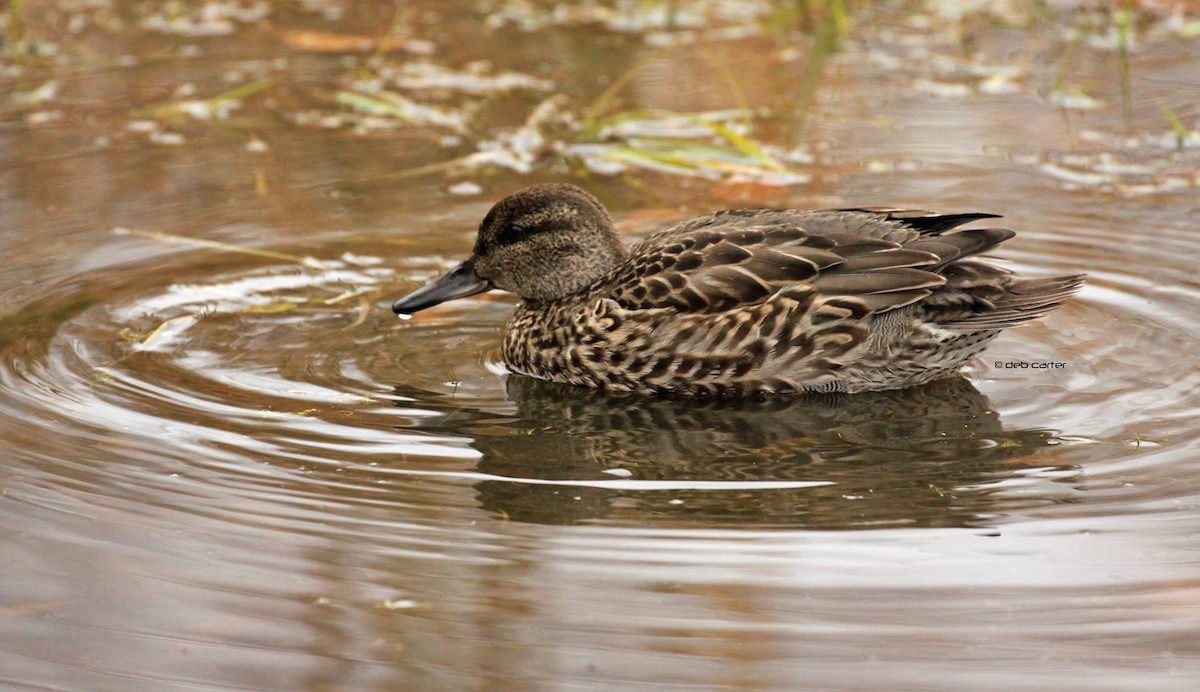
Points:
(235, 470)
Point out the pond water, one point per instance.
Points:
(228, 465)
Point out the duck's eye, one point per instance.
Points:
(511, 234)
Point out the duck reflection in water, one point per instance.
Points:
(929, 456)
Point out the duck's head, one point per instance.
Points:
(541, 243)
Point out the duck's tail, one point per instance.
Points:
(1020, 301)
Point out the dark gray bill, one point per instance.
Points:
(459, 282)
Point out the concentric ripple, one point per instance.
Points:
(281, 447)
(298, 368)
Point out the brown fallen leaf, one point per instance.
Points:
(748, 193)
(643, 221)
(328, 42)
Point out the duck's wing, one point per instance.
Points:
(884, 259)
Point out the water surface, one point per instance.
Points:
(227, 465)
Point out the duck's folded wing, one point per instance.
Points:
(723, 262)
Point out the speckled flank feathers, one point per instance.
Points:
(742, 301)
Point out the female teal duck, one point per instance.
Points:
(741, 301)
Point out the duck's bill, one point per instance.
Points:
(459, 282)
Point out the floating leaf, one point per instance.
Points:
(476, 79)
(1075, 99)
(159, 340)
(392, 105)
(34, 97)
(215, 108)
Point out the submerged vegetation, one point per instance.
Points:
(319, 64)
(402, 77)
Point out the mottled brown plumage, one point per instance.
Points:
(742, 301)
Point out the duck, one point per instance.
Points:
(741, 301)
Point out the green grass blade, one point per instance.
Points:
(1177, 126)
(748, 148)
